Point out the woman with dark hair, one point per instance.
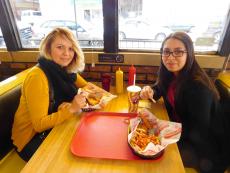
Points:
(190, 98)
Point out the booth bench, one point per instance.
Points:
(10, 91)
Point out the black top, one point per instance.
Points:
(60, 81)
(202, 123)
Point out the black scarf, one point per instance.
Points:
(61, 82)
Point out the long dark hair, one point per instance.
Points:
(190, 71)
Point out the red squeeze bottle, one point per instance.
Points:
(132, 73)
(106, 78)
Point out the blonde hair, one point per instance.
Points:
(77, 64)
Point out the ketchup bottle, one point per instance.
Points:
(132, 75)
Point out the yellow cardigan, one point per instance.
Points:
(31, 116)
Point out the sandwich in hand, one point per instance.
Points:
(94, 98)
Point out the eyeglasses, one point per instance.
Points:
(176, 53)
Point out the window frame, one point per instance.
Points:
(111, 41)
(223, 49)
(9, 27)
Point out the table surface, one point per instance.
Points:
(54, 154)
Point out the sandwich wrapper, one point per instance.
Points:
(169, 132)
(104, 96)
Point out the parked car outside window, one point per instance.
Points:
(215, 29)
(84, 34)
(180, 28)
(203, 35)
(140, 29)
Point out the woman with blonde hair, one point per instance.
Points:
(49, 92)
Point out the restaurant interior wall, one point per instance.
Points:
(147, 65)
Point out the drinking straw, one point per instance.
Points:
(134, 79)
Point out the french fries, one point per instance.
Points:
(143, 135)
(141, 139)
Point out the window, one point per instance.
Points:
(143, 24)
(83, 17)
(2, 42)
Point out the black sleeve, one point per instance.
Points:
(199, 111)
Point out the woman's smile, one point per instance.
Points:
(172, 63)
(62, 51)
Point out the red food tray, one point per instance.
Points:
(103, 135)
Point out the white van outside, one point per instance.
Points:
(31, 16)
